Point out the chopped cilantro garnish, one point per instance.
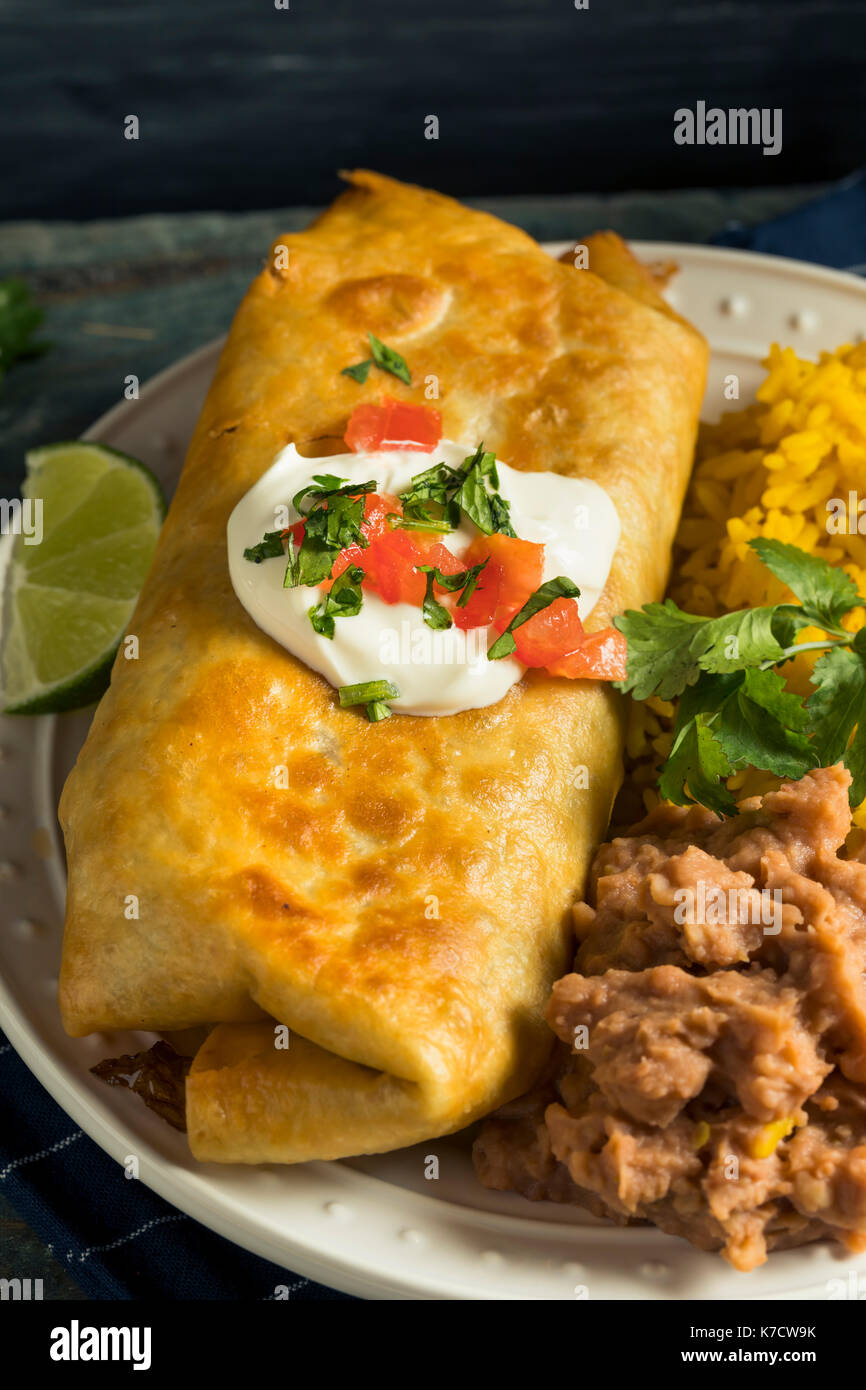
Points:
(373, 694)
(434, 488)
(389, 360)
(472, 489)
(368, 690)
(401, 523)
(478, 494)
(435, 614)
(471, 583)
(359, 372)
(542, 598)
(326, 487)
(343, 600)
(332, 523)
(270, 545)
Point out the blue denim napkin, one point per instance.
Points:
(830, 229)
(117, 1238)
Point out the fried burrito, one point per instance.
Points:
(396, 906)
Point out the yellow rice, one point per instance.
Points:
(769, 469)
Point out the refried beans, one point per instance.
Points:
(710, 1072)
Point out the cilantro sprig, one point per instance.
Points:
(734, 709)
(19, 320)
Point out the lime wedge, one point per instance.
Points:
(70, 591)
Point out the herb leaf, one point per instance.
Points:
(761, 725)
(488, 510)
(343, 600)
(752, 718)
(359, 372)
(660, 639)
(331, 524)
(734, 709)
(472, 489)
(542, 598)
(19, 320)
(696, 768)
(738, 640)
(367, 692)
(825, 592)
(668, 649)
(468, 589)
(436, 615)
(389, 360)
(269, 546)
(402, 523)
(326, 486)
(837, 708)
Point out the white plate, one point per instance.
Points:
(376, 1227)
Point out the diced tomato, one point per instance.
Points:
(391, 560)
(377, 506)
(484, 600)
(410, 426)
(513, 571)
(439, 555)
(296, 531)
(365, 428)
(394, 425)
(600, 656)
(390, 568)
(392, 564)
(522, 565)
(550, 633)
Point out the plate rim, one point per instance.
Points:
(187, 1189)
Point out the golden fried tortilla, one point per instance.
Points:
(403, 904)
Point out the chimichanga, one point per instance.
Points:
(309, 904)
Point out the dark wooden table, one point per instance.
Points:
(135, 294)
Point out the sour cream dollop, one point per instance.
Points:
(436, 671)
